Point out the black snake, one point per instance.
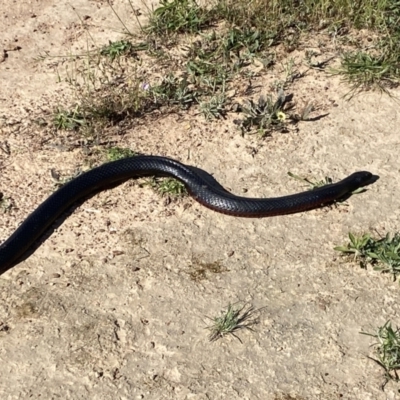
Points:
(203, 190)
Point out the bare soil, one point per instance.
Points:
(108, 307)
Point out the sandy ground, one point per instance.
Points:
(107, 307)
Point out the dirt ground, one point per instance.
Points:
(107, 307)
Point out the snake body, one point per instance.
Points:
(210, 195)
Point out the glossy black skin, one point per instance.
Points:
(210, 194)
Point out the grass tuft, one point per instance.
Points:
(68, 120)
(168, 187)
(231, 320)
(363, 71)
(383, 254)
(388, 350)
(118, 153)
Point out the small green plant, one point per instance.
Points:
(68, 120)
(118, 153)
(359, 246)
(174, 91)
(388, 350)
(231, 320)
(208, 75)
(214, 108)
(117, 49)
(244, 42)
(168, 187)
(383, 254)
(264, 115)
(177, 16)
(107, 93)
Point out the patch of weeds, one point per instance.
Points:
(108, 92)
(118, 153)
(109, 102)
(214, 108)
(211, 64)
(245, 42)
(208, 76)
(232, 320)
(168, 187)
(208, 66)
(201, 269)
(174, 91)
(177, 16)
(216, 58)
(285, 21)
(388, 350)
(243, 14)
(265, 115)
(383, 254)
(110, 89)
(365, 71)
(68, 120)
(201, 67)
(107, 87)
(117, 49)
